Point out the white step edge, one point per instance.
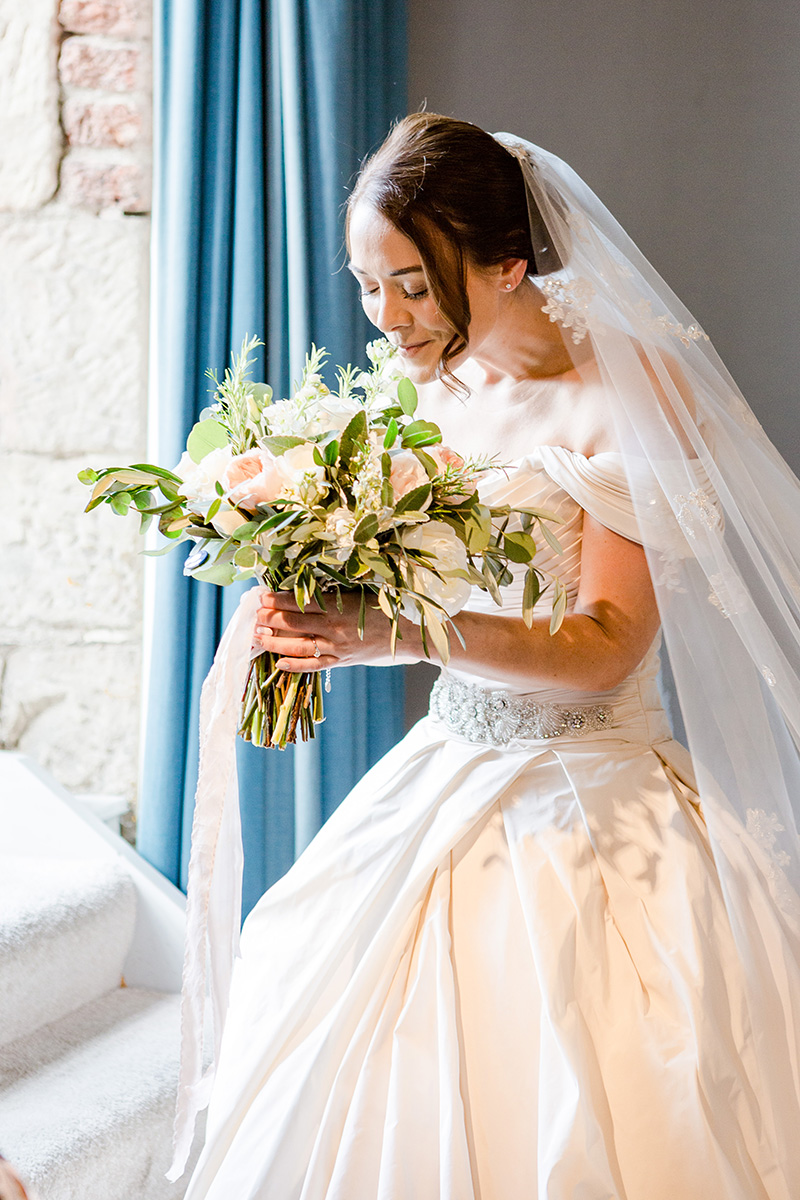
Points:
(87, 1103)
(65, 929)
(39, 818)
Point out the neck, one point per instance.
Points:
(524, 344)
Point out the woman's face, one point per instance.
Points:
(396, 297)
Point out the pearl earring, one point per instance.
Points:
(509, 287)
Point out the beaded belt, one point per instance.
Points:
(481, 715)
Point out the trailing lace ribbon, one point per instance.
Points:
(213, 898)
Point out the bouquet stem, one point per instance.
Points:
(277, 705)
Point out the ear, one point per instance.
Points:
(511, 273)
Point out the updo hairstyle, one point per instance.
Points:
(460, 197)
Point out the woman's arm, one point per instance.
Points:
(598, 645)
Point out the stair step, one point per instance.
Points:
(87, 1103)
(65, 929)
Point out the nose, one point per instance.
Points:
(393, 313)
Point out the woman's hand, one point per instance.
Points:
(601, 641)
(294, 635)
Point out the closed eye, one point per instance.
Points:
(406, 295)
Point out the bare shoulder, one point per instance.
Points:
(593, 424)
(588, 416)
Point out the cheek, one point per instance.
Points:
(427, 314)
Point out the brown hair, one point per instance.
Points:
(460, 197)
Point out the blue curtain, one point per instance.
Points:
(264, 109)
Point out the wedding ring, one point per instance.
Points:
(317, 651)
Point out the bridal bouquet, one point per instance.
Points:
(330, 491)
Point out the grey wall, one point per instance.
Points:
(684, 116)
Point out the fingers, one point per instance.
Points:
(297, 653)
(286, 601)
(295, 622)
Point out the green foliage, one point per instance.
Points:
(407, 396)
(206, 436)
(338, 528)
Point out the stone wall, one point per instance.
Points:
(74, 240)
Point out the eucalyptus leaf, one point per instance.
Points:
(355, 434)
(245, 557)
(390, 437)
(385, 604)
(438, 634)
(206, 436)
(552, 540)
(520, 547)
(262, 393)
(158, 472)
(407, 396)
(88, 476)
(491, 584)
(121, 502)
(176, 526)
(377, 564)
(428, 463)
(413, 500)
(422, 433)
(530, 594)
(278, 444)
(362, 613)
(219, 573)
(478, 534)
(559, 607)
(542, 514)
(366, 529)
(163, 550)
(102, 485)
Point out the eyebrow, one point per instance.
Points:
(402, 271)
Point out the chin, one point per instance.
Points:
(421, 372)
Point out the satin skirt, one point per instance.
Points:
(498, 973)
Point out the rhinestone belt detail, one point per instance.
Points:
(497, 717)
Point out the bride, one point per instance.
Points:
(542, 949)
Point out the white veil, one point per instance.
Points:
(719, 513)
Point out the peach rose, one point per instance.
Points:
(444, 457)
(253, 478)
(407, 473)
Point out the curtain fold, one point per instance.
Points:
(263, 110)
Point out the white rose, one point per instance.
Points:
(449, 554)
(200, 479)
(335, 414)
(303, 477)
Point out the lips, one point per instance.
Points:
(411, 347)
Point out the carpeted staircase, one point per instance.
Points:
(88, 1065)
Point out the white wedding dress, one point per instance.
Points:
(504, 969)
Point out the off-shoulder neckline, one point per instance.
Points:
(517, 462)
